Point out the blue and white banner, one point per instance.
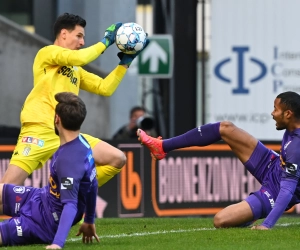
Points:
(255, 55)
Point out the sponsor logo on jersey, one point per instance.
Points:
(18, 198)
(19, 190)
(291, 168)
(66, 183)
(68, 72)
(33, 140)
(26, 150)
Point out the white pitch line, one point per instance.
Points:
(169, 232)
(287, 224)
(149, 233)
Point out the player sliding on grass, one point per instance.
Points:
(278, 174)
(57, 68)
(45, 215)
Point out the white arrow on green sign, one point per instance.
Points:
(156, 60)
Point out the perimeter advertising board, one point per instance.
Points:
(189, 182)
(255, 55)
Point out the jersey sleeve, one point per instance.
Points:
(287, 189)
(292, 163)
(288, 183)
(91, 203)
(56, 55)
(65, 224)
(102, 86)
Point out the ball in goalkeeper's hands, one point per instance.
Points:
(130, 38)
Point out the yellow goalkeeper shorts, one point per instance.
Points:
(36, 144)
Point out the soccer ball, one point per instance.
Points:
(130, 38)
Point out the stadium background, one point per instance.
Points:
(192, 181)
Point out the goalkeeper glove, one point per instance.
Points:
(126, 59)
(110, 34)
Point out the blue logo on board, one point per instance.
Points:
(241, 89)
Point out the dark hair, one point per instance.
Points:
(67, 21)
(136, 108)
(71, 110)
(291, 100)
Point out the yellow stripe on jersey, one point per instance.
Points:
(58, 69)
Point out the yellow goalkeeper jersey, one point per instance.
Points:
(57, 69)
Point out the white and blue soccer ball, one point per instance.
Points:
(130, 38)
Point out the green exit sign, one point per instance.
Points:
(156, 60)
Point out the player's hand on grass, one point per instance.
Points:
(126, 59)
(53, 246)
(259, 227)
(88, 231)
(110, 34)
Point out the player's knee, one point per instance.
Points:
(220, 221)
(226, 127)
(121, 160)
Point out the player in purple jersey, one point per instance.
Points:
(45, 215)
(278, 173)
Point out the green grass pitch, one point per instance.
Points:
(183, 233)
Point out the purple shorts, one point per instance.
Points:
(261, 203)
(264, 165)
(29, 223)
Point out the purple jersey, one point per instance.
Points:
(289, 154)
(72, 182)
(71, 192)
(72, 176)
(279, 176)
(280, 183)
(290, 160)
(289, 193)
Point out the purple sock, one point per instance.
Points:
(201, 136)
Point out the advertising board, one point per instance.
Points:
(255, 56)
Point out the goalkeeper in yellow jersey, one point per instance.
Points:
(57, 68)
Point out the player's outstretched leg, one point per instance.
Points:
(240, 142)
(201, 136)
